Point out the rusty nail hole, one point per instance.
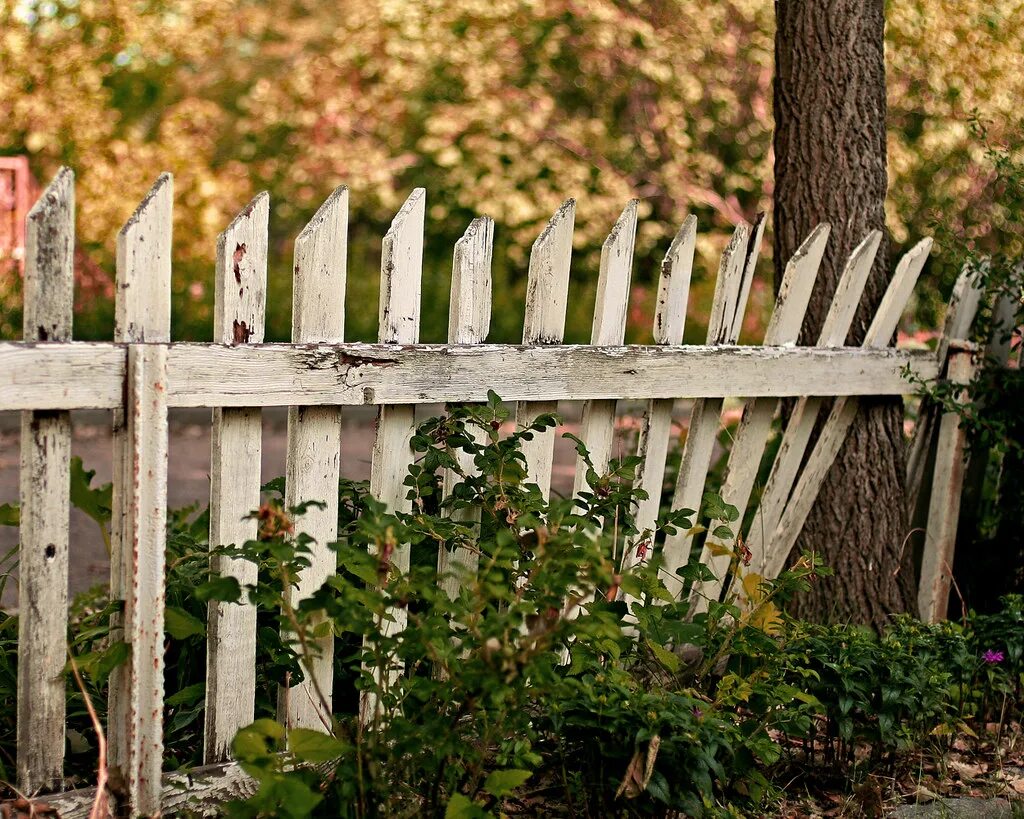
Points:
(238, 255)
(51, 551)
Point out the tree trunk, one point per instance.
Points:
(830, 166)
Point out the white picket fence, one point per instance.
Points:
(142, 374)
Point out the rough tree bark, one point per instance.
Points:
(830, 166)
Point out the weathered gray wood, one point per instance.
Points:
(723, 328)
(547, 295)
(142, 314)
(843, 412)
(797, 435)
(469, 320)
(240, 295)
(81, 375)
(313, 460)
(656, 425)
(609, 328)
(944, 503)
(755, 426)
(45, 499)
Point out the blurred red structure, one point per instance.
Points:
(18, 190)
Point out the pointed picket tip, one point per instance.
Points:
(795, 289)
(674, 285)
(898, 293)
(813, 245)
(251, 212)
(469, 314)
(623, 232)
(240, 289)
(401, 273)
(414, 206)
(57, 198)
(162, 193)
(566, 214)
(332, 212)
(612, 303)
(547, 287)
(849, 291)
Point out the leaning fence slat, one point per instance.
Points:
(609, 329)
(143, 312)
(944, 503)
(755, 427)
(844, 411)
(656, 426)
(469, 320)
(737, 264)
(240, 295)
(797, 435)
(401, 273)
(547, 295)
(313, 467)
(45, 499)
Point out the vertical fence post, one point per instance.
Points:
(313, 462)
(143, 316)
(240, 296)
(469, 319)
(45, 499)
(547, 295)
(944, 504)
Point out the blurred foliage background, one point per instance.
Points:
(498, 107)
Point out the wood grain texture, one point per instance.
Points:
(45, 499)
(944, 502)
(609, 328)
(755, 425)
(240, 295)
(656, 424)
(547, 295)
(469, 319)
(723, 326)
(313, 459)
(142, 315)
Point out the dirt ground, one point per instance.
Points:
(189, 465)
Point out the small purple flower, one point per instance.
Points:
(697, 712)
(991, 656)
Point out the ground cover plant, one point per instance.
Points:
(552, 681)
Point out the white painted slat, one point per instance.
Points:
(803, 417)
(547, 295)
(469, 320)
(312, 466)
(90, 375)
(45, 499)
(735, 267)
(609, 328)
(944, 503)
(401, 273)
(142, 314)
(842, 414)
(656, 425)
(240, 294)
(755, 426)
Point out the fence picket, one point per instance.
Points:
(45, 498)
(737, 265)
(755, 426)
(547, 295)
(469, 320)
(313, 468)
(656, 425)
(944, 502)
(240, 295)
(797, 435)
(842, 414)
(143, 314)
(609, 329)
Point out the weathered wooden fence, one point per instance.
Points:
(142, 374)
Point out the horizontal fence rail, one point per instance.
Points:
(142, 374)
(84, 375)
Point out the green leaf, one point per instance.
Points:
(187, 696)
(180, 624)
(664, 656)
(96, 503)
(224, 589)
(462, 807)
(313, 746)
(9, 514)
(502, 783)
